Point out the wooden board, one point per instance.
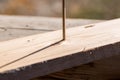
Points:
(36, 54)
(103, 69)
(12, 27)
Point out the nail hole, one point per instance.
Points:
(89, 26)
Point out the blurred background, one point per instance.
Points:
(90, 9)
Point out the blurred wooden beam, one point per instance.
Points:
(42, 54)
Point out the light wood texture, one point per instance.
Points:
(39, 55)
(12, 27)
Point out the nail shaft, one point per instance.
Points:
(64, 19)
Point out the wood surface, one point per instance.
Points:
(12, 27)
(36, 54)
(103, 69)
